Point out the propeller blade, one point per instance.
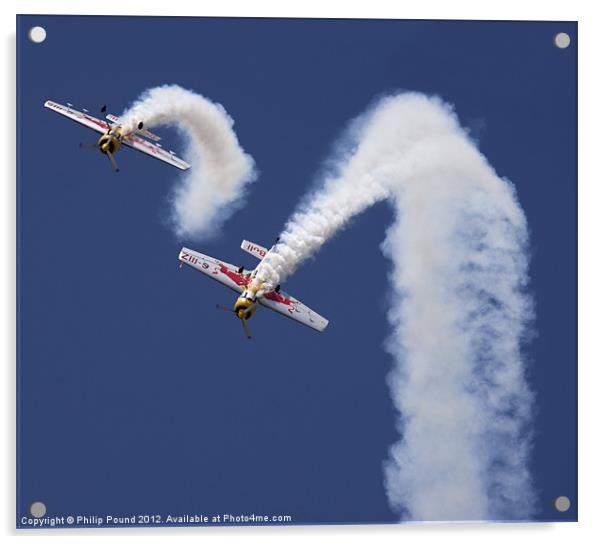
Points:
(224, 308)
(113, 161)
(246, 328)
(88, 146)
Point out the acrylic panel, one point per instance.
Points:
(403, 192)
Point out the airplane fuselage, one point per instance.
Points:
(111, 141)
(245, 306)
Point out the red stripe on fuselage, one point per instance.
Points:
(242, 280)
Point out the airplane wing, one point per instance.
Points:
(290, 307)
(155, 151)
(79, 117)
(225, 273)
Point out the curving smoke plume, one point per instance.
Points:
(459, 312)
(220, 169)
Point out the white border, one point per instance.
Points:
(590, 269)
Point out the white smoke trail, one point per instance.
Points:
(458, 307)
(220, 169)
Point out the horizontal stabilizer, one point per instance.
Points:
(254, 249)
(113, 118)
(142, 131)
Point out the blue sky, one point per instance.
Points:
(135, 394)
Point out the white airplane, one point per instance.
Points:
(238, 279)
(113, 136)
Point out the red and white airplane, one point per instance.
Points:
(113, 136)
(238, 279)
